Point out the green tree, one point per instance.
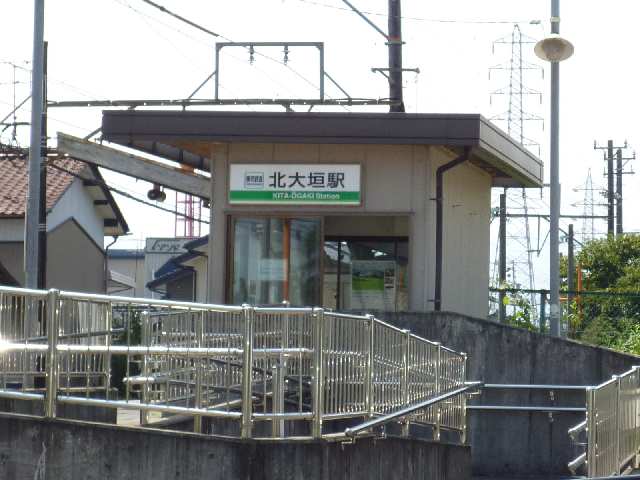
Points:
(612, 318)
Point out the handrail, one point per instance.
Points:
(258, 361)
(376, 422)
(530, 408)
(612, 426)
(524, 386)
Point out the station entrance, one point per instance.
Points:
(338, 262)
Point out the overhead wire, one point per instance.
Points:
(268, 57)
(128, 5)
(420, 19)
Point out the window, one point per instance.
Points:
(366, 273)
(276, 259)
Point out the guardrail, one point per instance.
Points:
(241, 363)
(612, 427)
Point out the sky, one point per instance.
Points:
(126, 49)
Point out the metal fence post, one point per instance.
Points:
(145, 333)
(53, 327)
(636, 413)
(247, 372)
(436, 433)
(591, 433)
(279, 372)
(405, 379)
(617, 424)
(277, 400)
(463, 435)
(107, 357)
(369, 394)
(318, 373)
(197, 419)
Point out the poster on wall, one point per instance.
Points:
(373, 284)
(294, 184)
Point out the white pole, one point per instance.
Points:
(554, 176)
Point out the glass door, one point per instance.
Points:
(366, 273)
(276, 259)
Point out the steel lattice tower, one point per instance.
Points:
(515, 117)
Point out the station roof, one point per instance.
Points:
(182, 136)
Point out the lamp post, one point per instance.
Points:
(554, 49)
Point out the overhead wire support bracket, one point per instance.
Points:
(336, 84)
(182, 19)
(366, 19)
(285, 45)
(195, 102)
(384, 71)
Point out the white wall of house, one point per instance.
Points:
(77, 203)
(132, 267)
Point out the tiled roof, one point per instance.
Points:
(13, 184)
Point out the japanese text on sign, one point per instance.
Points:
(294, 183)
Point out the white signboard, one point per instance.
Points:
(307, 184)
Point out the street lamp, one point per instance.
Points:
(554, 49)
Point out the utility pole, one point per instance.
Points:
(42, 215)
(571, 267)
(610, 206)
(502, 267)
(614, 184)
(619, 229)
(394, 41)
(32, 215)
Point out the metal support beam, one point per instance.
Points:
(204, 102)
(134, 166)
(364, 17)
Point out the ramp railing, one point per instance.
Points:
(611, 427)
(264, 371)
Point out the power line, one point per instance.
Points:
(420, 19)
(165, 10)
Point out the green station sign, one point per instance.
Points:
(303, 184)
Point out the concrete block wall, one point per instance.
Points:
(68, 449)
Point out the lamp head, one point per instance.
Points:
(156, 194)
(554, 48)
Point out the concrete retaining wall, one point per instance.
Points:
(67, 449)
(519, 443)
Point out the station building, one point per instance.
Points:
(348, 211)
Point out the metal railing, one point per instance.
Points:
(612, 427)
(253, 366)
